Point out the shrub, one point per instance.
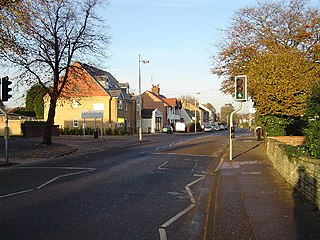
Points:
(116, 131)
(312, 133)
(108, 131)
(24, 125)
(276, 125)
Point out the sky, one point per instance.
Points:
(178, 37)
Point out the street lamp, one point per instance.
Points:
(195, 113)
(140, 99)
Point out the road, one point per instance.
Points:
(156, 190)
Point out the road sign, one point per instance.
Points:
(92, 114)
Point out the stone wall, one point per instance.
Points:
(303, 174)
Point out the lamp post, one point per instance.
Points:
(140, 99)
(195, 113)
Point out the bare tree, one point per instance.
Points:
(62, 31)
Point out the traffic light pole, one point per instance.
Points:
(6, 135)
(230, 130)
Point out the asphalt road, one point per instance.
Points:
(156, 190)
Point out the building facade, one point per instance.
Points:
(94, 98)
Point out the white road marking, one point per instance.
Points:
(194, 167)
(162, 230)
(161, 166)
(16, 193)
(51, 180)
(251, 173)
(62, 176)
(163, 234)
(177, 216)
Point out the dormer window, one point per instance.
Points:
(120, 103)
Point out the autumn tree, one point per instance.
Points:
(275, 43)
(62, 31)
(281, 80)
(13, 14)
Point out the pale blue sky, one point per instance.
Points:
(177, 37)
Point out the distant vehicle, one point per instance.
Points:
(208, 129)
(216, 128)
(222, 127)
(180, 127)
(167, 129)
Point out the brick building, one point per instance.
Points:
(170, 107)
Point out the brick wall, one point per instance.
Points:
(151, 102)
(303, 174)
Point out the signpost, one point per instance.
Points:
(92, 114)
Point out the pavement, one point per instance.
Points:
(251, 200)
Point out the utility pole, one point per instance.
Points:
(6, 135)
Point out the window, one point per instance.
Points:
(75, 122)
(125, 105)
(120, 102)
(75, 104)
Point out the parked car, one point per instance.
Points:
(216, 128)
(167, 129)
(208, 129)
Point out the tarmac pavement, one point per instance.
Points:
(251, 200)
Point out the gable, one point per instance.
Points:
(81, 84)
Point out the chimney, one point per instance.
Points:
(155, 89)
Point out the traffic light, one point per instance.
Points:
(232, 132)
(5, 93)
(241, 88)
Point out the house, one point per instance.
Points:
(151, 120)
(169, 107)
(94, 98)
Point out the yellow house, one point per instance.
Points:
(94, 98)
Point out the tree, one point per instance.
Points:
(281, 80)
(270, 25)
(13, 13)
(34, 100)
(62, 31)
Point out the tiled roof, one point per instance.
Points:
(114, 87)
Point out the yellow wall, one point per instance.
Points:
(66, 111)
(14, 126)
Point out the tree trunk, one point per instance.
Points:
(47, 137)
